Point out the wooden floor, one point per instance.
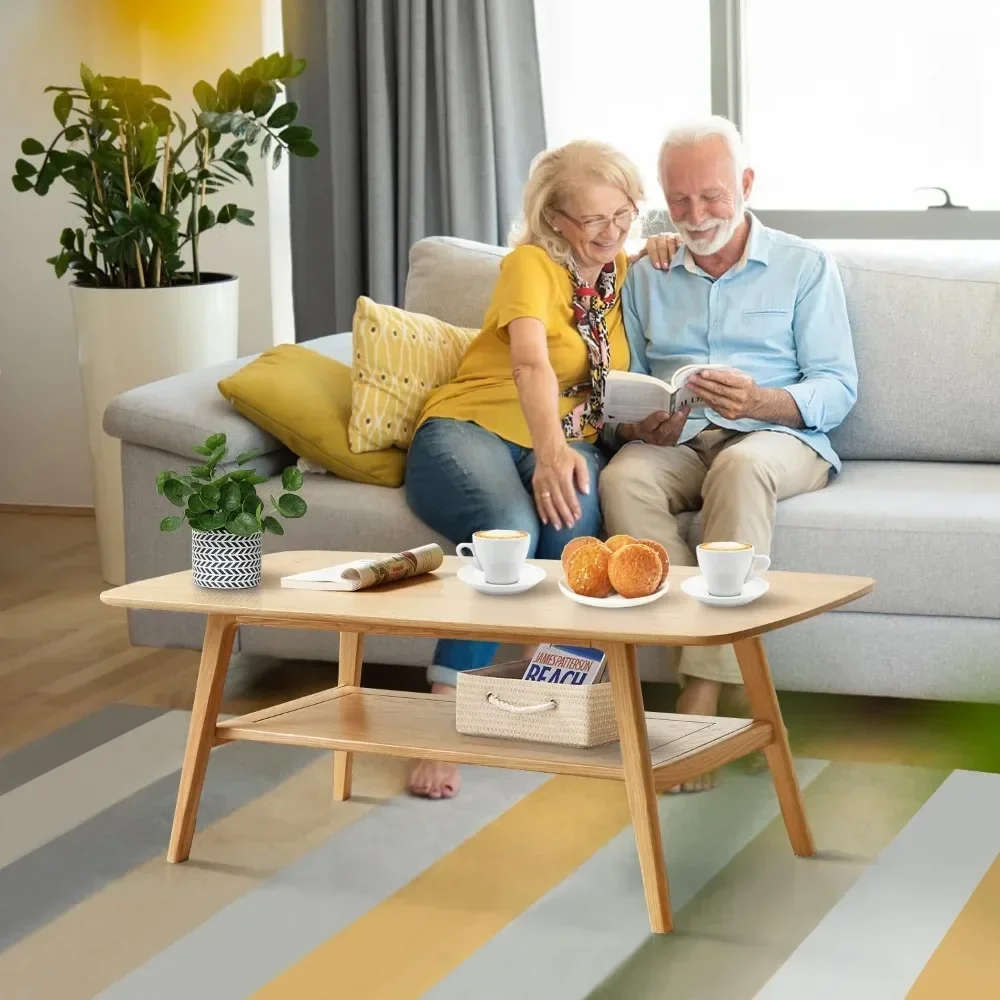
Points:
(64, 654)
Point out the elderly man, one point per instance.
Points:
(771, 306)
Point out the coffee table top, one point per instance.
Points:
(439, 605)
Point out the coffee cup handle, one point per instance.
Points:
(759, 565)
(469, 556)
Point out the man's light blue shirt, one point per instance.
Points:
(779, 315)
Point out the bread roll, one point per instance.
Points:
(662, 553)
(587, 570)
(615, 542)
(635, 570)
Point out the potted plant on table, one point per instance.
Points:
(227, 517)
(140, 177)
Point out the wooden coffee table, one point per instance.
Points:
(656, 750)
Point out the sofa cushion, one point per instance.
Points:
(303, 398)
(926, 327)
(928, 533)
(452, 279)
(400, 358)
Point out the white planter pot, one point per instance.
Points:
(221, 561)
(128, 338)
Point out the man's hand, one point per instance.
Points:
(658, 428)
(732, 394)
(660, 250)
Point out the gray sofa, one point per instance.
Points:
(917, 505)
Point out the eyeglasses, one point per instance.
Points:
(593, 227)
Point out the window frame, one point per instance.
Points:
(727, 18)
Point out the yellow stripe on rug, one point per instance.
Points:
(407, 943)
(966, 963)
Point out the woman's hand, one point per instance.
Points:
(661, 249)
(557, 477)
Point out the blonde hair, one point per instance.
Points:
(557, 172)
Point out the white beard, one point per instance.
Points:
(716, 236)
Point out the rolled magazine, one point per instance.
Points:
(364, 573)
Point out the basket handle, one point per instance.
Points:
(545, 706)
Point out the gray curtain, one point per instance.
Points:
(427, 114)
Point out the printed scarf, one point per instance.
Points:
(590, 306)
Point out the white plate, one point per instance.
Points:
(530, 576)
(695, 587)
(615, 600)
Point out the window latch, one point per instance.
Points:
(947, 203)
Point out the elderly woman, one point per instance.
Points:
(512, 441)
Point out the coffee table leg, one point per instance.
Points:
(638, 769)
(764, 705)
(349, 673)
(215, 652)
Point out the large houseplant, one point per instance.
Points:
(140, 175)
(227, 517)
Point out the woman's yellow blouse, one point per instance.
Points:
(530, 284)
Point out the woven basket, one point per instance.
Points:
(495, 702)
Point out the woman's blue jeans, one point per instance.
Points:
(461, 478)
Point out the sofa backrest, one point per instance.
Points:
(926, 325)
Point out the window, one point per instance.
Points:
(854, 104)
(622, 71)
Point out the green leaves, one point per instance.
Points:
(283, 115)
(291, 505)
(109, 149)
(229, 501)
(263, 99)
(228, 89)
(62, 106)
(205, 96)
(292, 478)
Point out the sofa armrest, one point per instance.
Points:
(174, 414)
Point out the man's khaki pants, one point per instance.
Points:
(736, 479)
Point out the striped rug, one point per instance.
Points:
(526, 886)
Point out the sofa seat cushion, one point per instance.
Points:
(927, 532)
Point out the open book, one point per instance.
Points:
(630, 397)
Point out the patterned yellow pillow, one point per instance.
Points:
(399, 359)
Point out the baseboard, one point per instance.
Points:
(43, 508)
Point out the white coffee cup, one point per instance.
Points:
(729, 566)
(499, 553)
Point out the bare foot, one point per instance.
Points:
(698, 697)
(433, 779)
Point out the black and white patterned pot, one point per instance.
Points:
(221, 561)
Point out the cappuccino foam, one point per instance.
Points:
(501, 533)
(725, 546)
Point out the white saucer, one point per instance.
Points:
(530, 576)
(695, 587)
(615, 600)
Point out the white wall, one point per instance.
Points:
(43, 447)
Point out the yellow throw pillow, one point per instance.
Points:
(303, 398)
(399, 359)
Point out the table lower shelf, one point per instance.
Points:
(406, 724)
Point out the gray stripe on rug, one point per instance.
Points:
(243, 947)
(29, 762)
(41, 885)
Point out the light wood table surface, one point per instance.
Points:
(655, 750)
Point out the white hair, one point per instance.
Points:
(714, 126)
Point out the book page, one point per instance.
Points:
(631, 400)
